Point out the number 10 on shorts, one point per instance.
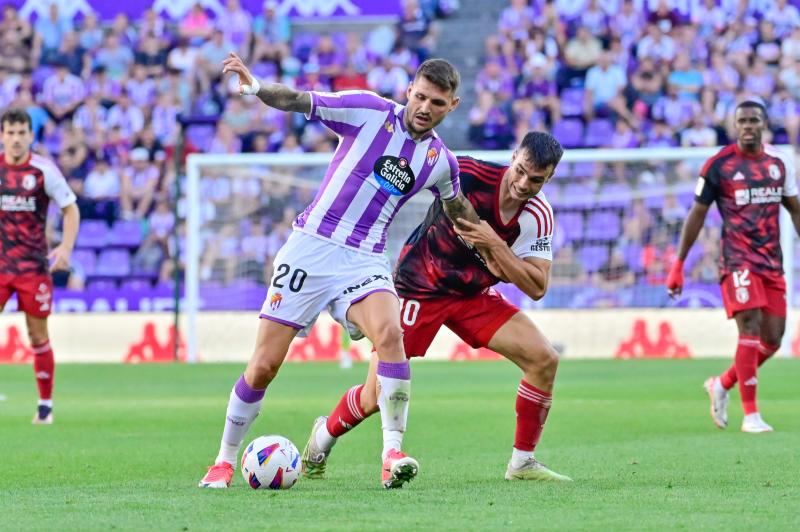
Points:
(409, 310)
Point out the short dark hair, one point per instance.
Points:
(15, 115)
(753, 104)
(441, 73)
(541, 149)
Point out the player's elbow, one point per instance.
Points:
(537, 291)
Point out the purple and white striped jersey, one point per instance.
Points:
(376, 168)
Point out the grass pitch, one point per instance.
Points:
(130, 443)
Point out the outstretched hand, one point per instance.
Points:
(247, 83)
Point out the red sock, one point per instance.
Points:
(44, 368)
(347, 414)
(533, 405)
(765, 351)
(746, 363)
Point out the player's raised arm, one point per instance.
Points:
(273, 94)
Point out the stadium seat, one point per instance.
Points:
(125, 233)
(571, 224)
(569, 132)
(615, 195)
(603, 225)
(598, 133)
(136, 285)
(577, 195)
(86, 258)
(92, 234)
(593, 257)
(101, 285)
(113, 263)
(572, 102)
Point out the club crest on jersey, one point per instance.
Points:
(28, 181)
(394, 175)
(433, 156)
(275, 301)
(742, 295)
(774, 171)
(388, 126)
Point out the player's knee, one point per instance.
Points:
(262, 371)
(37, 338)
(388, 338)
(542, 360)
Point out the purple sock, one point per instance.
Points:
(246, 393)
(395, 370)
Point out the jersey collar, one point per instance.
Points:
(23, 164)
(740, 153)
(400, 121)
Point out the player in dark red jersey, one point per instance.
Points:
(27, 184)
(749, 181)
(442, 280)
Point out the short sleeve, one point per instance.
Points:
(790, 179)
(55, 185)
(448, 185)
(536, 225)
(344, 112)
(707, 189)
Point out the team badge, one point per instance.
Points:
(28, 182)
(388, 126)
(433, 156)
(742, 295)
(774, 171)
(275, 301)
(394, 175)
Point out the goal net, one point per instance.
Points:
(618, 219)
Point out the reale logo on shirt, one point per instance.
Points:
(394, 175)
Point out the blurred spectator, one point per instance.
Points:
(196, 25)
(62, 94)
(73, 56)
(656, 45)
(710, 18)
(127, 116)
(183, 57)
(270, 27)
(699, 134)
(91, 119)
(516, 20)
(114, 57)
(388, 80)
(684, 78)
(784, 16)
(415, 31)
(138, 188)
(495, 80)
(50, 31)
(101, 191)
(604, 85)
(141, 88)
(106, 89)
(490, 127)
(235, 24)
(151, 55)
(581, 53)
(567, 269)
(90, 36)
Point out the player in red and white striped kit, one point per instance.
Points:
(444, 281)
(27, 184)
(749, 181)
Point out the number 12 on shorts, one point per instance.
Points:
(741, 278)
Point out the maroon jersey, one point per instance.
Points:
(25, 193)
(435, 261)
(748, 191)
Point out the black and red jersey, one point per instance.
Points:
(435, 261)
(25, 194)
(748, 191)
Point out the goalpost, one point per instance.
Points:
(617, 217)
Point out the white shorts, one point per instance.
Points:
(311, 274)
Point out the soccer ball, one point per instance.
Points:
(271, 462)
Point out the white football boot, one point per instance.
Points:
(719, 401)
(754, 424)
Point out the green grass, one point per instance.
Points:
(131, 442)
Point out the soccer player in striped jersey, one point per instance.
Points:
(442, 280)
(749, 180)
(28, 182)
(334, 258)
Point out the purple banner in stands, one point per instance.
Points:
(176, 9)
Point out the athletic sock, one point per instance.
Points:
(344, 418)
(44, 370)
(243, 407)
(532, 407)
(746, 363)
(394, 379)
(765, 352)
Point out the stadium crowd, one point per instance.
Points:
(105, 97)
(624, 74)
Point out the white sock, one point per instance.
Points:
(323, 439)
(46, 402)
(238, 418)
(518, 458)
(718, 388)
(393, 403)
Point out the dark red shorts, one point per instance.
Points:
(474, 319)
(745, 290)
(34, 293)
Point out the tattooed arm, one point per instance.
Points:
(460, 207)
(273, 94)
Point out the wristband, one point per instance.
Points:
(252, 88)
